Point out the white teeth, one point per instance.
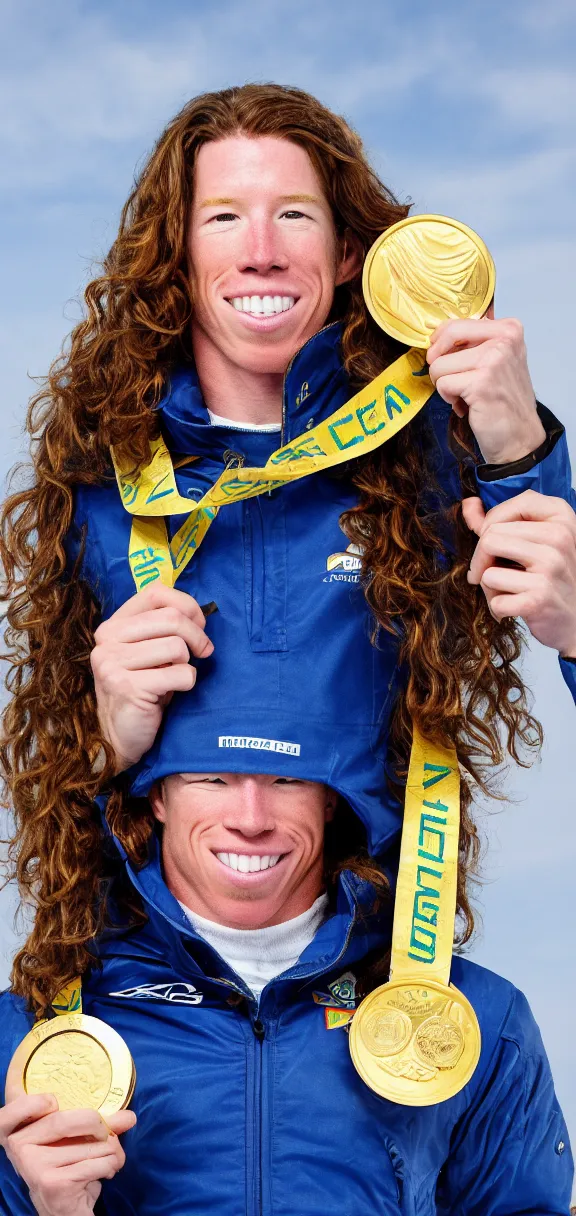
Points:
(263, 306)
(248, 864)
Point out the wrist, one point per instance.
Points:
(516, 447)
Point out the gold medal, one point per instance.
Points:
(416, 1040)
(80, 1059)
(424, 270)
(415, 1044)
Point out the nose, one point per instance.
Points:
(252, 814)
(263, 251)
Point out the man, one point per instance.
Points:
(244, 1098)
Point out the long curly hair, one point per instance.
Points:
(461, 686)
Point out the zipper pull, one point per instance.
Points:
(259, 1029)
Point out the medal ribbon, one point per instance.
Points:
(425, 905)
(149, 494)
(69, 999)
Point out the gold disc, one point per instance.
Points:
(416, 1043)
(80, 1059)
(424, 270)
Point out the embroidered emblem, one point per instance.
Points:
(263, 745)
(344, 567)
(339, 1001)
(175, 994)
(303, 394)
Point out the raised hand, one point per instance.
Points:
(62, 1156)
(480, 369)
(141, 658)
(538, 533)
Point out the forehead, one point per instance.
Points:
(241, 167)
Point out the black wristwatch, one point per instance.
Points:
(553, 428)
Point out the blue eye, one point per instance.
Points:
(299, 215)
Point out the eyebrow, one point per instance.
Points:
(284, 198)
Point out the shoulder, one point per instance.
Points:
(16, 1020)
(100, 531)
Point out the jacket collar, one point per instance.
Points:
(350, 933)
(315, 385)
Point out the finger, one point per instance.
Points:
(455, 361)
(162, 681)
(453, 390)
(159, 596)
(25, 1109)
(530, 505)
(528, 554)
(157, 652)
(63, 1125)
(474, 514)
(74, 1151)
(462, 333)
(510, 605)
(121, 1121)
(502, 578)
(91, 1171)
(165, 622)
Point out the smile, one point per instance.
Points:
(262, 306)
(249, 864)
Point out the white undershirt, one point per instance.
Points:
(258, 955)
(234, 425)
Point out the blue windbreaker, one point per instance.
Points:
(255, 1109)
(295, 685)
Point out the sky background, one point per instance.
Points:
(467, 109)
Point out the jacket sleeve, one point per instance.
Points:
(568, 669)
(549, 475)
(14, 1194)
(510, 1154)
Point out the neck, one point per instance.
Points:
(234, 392)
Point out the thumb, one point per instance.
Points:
(474, 514)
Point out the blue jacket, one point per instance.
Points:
(295, 685)
(248, 1109)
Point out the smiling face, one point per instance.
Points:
(263, 253)
(244, 851)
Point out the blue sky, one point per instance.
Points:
(468, 109)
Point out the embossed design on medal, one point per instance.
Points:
(80, 1059)
(416, 1035)
(425, 270)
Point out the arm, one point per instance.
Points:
(480, 369)
(510, 1154)
(538, 534)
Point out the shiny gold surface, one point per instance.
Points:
(415, 1043)
(425, 270)
(80, 1059)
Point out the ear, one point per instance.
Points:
(156, 800)
(350, 259)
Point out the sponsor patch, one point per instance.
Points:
(175, 994)
(344, 567)
(262, 745)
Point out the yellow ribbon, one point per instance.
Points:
(425, 904)
(149, 494)
(69, 999)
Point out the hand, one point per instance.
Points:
(479, 368)
(62, 1155)
(539, 533)
(141, 658)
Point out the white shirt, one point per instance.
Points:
(259, 955)
(232, 424)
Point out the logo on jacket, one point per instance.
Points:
(262, 745)
(175, 994)
(339, 1002)
(344, 567)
